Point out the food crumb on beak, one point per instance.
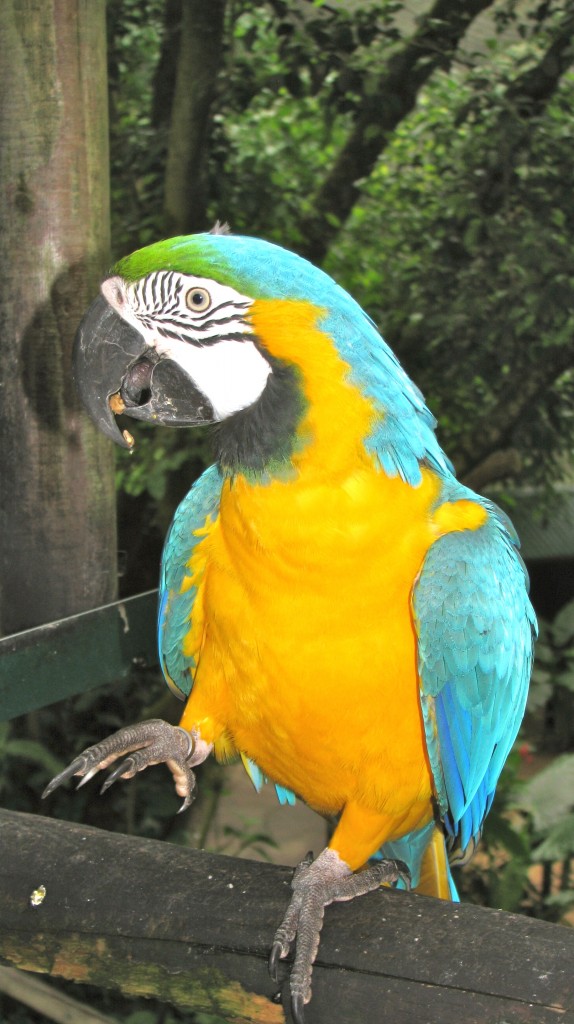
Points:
(116, 404)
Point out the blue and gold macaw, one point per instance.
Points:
(336, 608)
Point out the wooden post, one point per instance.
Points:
(57, 503)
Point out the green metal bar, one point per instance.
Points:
(60, 659)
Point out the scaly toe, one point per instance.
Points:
(150, 742)
(315, 885)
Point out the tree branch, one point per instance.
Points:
(531, 91)
(498, 465)
(432, 46)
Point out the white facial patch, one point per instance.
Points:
(199, 324)
(231, 374)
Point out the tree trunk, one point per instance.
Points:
(164, 79)
(57, 503)
(200, 51)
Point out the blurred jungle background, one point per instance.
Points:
(422, 154)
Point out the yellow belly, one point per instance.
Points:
(308, 660)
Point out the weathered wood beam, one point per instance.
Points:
(194, 929)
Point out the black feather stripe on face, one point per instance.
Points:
(158, 303)
(179, 335)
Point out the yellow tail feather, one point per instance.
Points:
(434, 869)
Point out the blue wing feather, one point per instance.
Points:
(284, 795)
(175, 607)
(475, 628)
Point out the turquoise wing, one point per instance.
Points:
(476, 629)
(175, 607)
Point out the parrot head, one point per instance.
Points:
(165, 343)
(235, 331)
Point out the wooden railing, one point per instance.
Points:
(194, 929)
(49, 663)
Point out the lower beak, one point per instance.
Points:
(115, 371)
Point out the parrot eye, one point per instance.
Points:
(198, 300)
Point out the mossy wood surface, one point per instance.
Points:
(194, 929)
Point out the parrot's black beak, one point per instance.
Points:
(116, 372)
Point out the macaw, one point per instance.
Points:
(336, 608)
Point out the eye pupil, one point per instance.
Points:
(198, 300)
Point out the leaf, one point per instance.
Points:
(541, 689)
(549, 796)
(563, 626)
(561, 899)
(508, 885)
(4, 737)
(500, 832)
(559, 843)
(566, 679)
(544, 648)
(30, 750)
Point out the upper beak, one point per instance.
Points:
(112, 362)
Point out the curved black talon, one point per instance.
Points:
(273, 965)
(151, 742)
(123, 768)
(403, 873)
(77, 767)
(297, 1009)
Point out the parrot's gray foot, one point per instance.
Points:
(316, 883)
(147, 743)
